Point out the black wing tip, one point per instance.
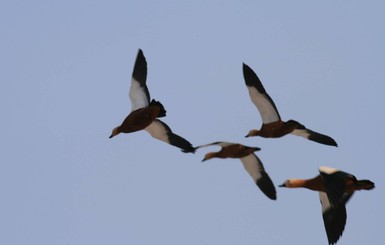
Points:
(267, 186)
(322, 139)
(245, 66)
(140, 56)
(188, 147)
(334, 240)
(189, 150)
(251, 79)
(273, 197)
(326, 140)
(180, 142)
(329, 141)
(335, 221)
(140, 68)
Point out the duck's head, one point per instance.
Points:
(115, 131)
(252, 132)
(209, 155)
(292, 183)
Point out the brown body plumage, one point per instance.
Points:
(140, 118)
(231, 151)
(273, 130)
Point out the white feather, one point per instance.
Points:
(137, 95)
(158, 131)
(301, 132)
(264, 106)
(327, 170)
(324, 201)
(253, 166)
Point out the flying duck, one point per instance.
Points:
(272, 125)
(144, 112)
(335, 188)
(249, 160)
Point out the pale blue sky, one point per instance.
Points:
(65, 74)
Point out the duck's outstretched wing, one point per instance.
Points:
(163, 132)
(259, 97)
(302, 131)
(334, 218)
(254, 167)
(218, 143)
(139, 94)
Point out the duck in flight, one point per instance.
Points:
(145, 113)
(335, 188)
(249, 160)
(272, 125)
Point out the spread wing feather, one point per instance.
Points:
(163, 132)
(259, 97)
(139, 94)
(254, 167)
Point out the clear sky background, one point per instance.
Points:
(65, 73)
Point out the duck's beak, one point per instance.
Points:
(111, 136)
(282, 185)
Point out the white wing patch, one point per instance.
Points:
(253, 166)
(327, 170)
(324, 201)
(264, 106)
(158, 131)
(138, 95)
(301, 132)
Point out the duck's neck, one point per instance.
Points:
(297, 183)
(210, 155)
(314, 184)
(116, 131)
(253, 132)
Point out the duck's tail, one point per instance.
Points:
(365, 184)
(162, 111)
